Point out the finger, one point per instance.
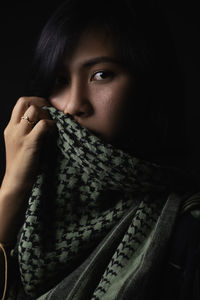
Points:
(23, 104)
(31, 117)
(42, 128)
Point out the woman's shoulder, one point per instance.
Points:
(183, 264)
(186, 236)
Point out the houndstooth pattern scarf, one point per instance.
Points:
(80, 196)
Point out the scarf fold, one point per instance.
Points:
(76, 201)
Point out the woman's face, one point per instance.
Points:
(94, 87)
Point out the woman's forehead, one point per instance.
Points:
(91, 47)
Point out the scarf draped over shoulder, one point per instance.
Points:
(94, 205)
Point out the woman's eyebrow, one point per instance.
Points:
(91, 62)
(100, 59)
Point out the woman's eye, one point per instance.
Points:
(102, 75)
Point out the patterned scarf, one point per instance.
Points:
(85, 189)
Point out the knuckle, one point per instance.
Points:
(5, 132)
(38, 101)
(22, 100)
(32, 108)
(43, 123)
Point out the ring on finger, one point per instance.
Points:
(25, 117)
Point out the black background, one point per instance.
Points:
(21, 23)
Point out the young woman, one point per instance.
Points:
(91, 204)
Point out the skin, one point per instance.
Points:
(23, 142)
(94, 87)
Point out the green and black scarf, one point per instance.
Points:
(92, 220)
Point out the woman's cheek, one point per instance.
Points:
(109, 106)
(109, 121)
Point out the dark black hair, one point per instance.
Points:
(145, 45)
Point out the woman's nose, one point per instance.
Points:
(77, 102)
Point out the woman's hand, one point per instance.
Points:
(23, 141)
(24, 136)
